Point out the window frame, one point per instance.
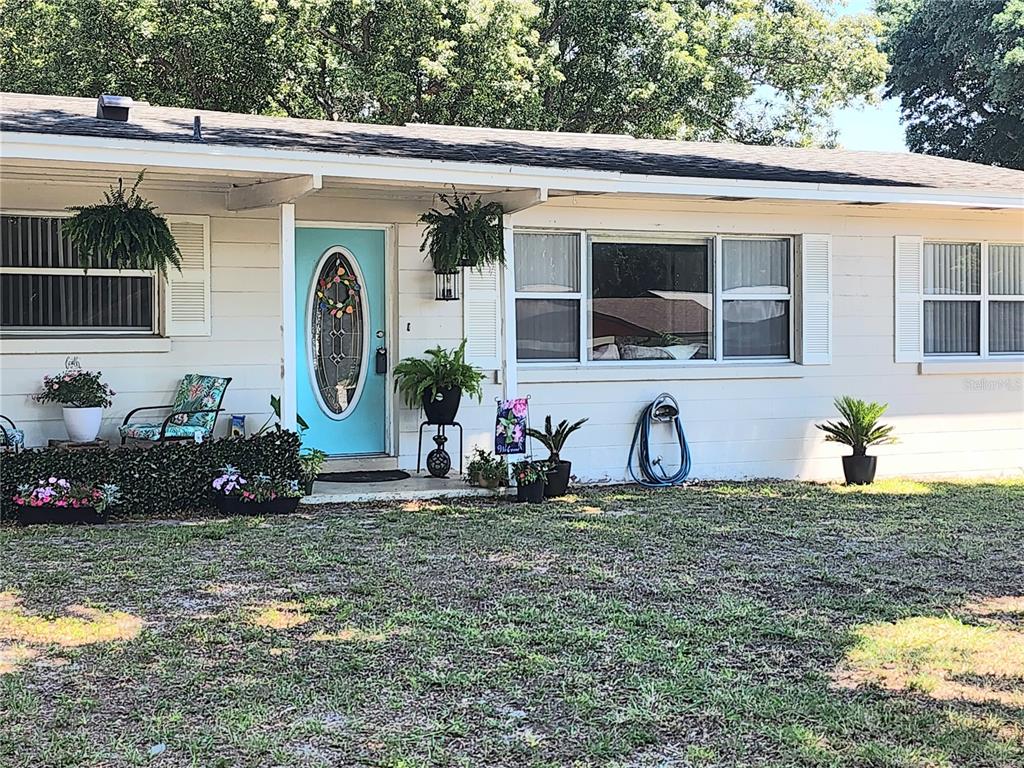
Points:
(43, 332)
(585, 297)
(983, 298)
(578, 296)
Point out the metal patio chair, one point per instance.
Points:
(193, 414)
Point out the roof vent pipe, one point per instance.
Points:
(110, 107)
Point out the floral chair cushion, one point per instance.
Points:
(198, 391)
(152, 431)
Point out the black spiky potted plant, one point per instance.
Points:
(553, 438)
(859, 429)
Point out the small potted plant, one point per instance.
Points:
(311, 460)
(859, 430)
(437, 383)
(486, 470)
(554, 440)
(260, 494)
(530, 476)
(82, 395)
(59, 500)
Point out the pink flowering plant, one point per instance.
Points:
(528, 471)
(69, 494)
(75, 388)
(256, 489)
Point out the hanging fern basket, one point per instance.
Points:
(123, 232)
(466, 233)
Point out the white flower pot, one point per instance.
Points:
(82, 424)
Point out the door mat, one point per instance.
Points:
(369, 476)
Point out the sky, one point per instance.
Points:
(875, 126)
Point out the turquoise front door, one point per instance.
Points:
(340, 323)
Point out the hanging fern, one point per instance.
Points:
(123, 232)
(467, 234)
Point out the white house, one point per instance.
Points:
(752, 283)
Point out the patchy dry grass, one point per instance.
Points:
(760, 624)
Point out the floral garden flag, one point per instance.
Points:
(510, 429)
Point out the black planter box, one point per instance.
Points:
(859, 470)
(442, 411)
(232, 506)
(59, 515)
(532, 493)
(558, 479)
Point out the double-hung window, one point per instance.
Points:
(43, 290)
(596, 298)
(973, 298)
(548, 296)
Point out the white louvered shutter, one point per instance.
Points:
(481, 319)
(187, 294)
(815, 299)
(909, 257)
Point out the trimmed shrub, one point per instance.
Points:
(167, 480)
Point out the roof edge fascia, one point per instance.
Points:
(186, 155)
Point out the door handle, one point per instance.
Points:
(381, 363)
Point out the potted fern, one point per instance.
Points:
(554, 440)
(860, 430)
(468, 233)
(123, 232)
(437, 382)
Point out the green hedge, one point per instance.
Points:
(168, 480)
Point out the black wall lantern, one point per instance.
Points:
(446, 286)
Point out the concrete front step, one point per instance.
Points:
(360, 464)
(414, 488)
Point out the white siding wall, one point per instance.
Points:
(246, 325)
(971, 423)
(423, 323)
(949, 424)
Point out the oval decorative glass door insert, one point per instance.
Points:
(337, 335)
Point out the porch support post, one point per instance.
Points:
(508, 311)
(288, 355)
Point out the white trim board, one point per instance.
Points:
(106, 151)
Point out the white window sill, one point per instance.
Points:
(76, 345)
(573, 372)
(954, 367)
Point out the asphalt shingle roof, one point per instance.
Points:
(596, 152)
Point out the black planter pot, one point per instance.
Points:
(59, 515)
(442, 411)
(859, 470)
(558, 479)
(232, 506)
(532, 493)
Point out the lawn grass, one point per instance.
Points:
(735, 624)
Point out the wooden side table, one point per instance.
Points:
(98, 444)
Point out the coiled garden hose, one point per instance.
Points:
(652, 474)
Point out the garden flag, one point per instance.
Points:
(510, 428)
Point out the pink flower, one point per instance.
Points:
(519, 407)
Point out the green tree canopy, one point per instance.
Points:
(766, 71)
(958, 69)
